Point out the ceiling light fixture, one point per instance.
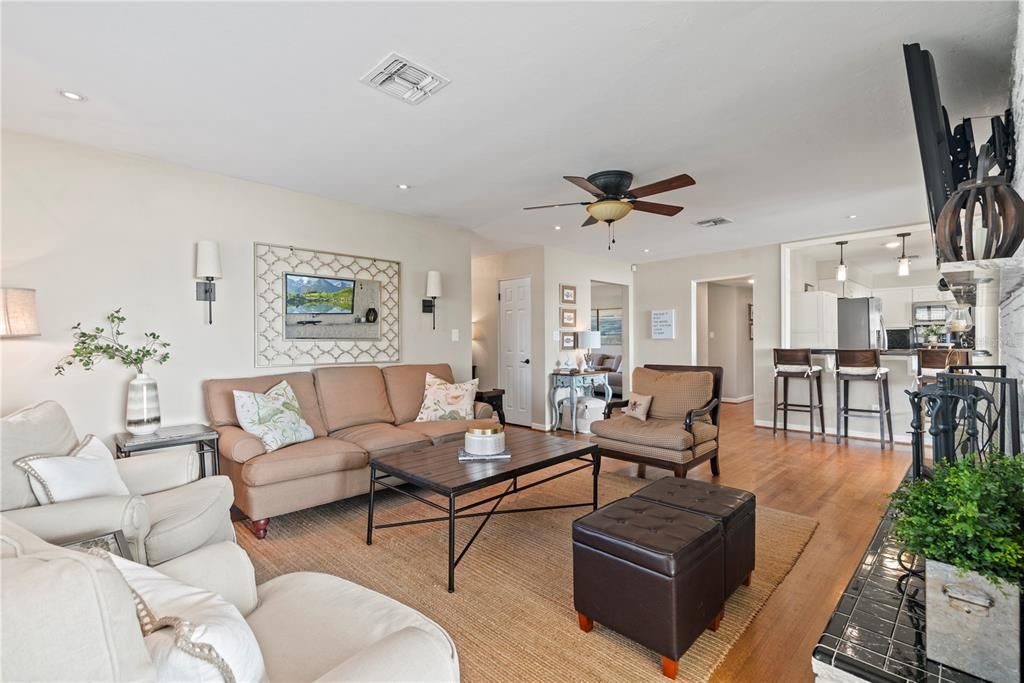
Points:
(402, 186)
(852, 216)
(558, 227)
(609, 210)
(750, 281)
(73, 96)
(647, 251)
(841, 268)
(903, 269)
(892, 245)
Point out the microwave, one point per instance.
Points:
(900, 337)
(929, 313)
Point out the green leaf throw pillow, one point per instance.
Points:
(445, 401)
(273, 416)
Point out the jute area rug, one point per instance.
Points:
(511, 615)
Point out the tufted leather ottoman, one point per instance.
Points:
(734, 509)
(651, 572)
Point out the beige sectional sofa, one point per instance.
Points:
(356, 413)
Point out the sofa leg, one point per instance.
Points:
(669, 667)
(259, 527)
(641, 471)
(717, 621)
(586, 623)
(746, 581)
(714, 467)
(680, 472)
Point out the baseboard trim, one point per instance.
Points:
(738, 399)
(860, 435)
(540, 427)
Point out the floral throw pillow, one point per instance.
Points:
(445, 401)
(273, 416)
(638, 406)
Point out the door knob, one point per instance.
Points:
(526, 362)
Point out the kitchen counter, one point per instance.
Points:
(886, 352)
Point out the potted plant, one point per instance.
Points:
(967, 523)
(932, 332)
(91, 346)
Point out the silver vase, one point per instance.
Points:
(142, 414)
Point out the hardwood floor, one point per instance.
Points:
(844, 487)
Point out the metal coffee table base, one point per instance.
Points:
(452, 512)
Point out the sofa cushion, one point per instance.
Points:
(443, 431)
(188, 517)
(305, 459)
(382, 439)
(308, 623)
(40, 429)
(447, 400)
(651, 432)
(275, 416)
(353, 396)
(87, 472)
(674, 393)
(667, 454)
(220, 401)
(406, 384)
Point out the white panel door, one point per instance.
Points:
(514, 357)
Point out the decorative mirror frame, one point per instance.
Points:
(272, 261)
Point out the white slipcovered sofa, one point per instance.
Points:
(167, 513)
(68, 615)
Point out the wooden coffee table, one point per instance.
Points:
(438, 469)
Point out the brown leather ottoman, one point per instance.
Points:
(651, 572)
(734, 509)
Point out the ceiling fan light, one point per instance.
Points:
(609, 210)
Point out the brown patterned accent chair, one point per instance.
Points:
(681, 429)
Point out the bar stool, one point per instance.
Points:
(796, 364)
(862, 366)
(930, 362)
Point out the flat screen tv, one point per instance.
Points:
(317, 294)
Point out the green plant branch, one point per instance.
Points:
(93, 346)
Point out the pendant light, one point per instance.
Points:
(903, 270)
(841, 268)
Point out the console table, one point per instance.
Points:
(577, 383)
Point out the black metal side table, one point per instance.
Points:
(496, 399)
(203, 436)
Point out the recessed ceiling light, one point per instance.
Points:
(558, 227)
(892, 245)
(73, 96)
(750, 281)
(647, 251)
(852, 216)
(402, 186)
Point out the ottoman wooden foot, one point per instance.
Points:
(746, 581)
(717, 621)
(586, 623)
(669, 667)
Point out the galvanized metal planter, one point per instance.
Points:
(973, 625)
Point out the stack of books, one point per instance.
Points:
(473, 457)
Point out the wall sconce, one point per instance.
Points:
(208, 270)
(18, 313)
(433, 292)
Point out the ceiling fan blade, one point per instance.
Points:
(590, 221)
(654, 207)
(675, 183)
(584, 185)
(551, 206)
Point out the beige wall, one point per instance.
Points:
(93, 230)
(548, 268)
(667, 284)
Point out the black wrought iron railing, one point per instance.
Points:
(970, 410)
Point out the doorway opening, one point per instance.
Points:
(723, 332)
(609, 315)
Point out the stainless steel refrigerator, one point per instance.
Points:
(861, 325)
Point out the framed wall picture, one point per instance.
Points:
(567, 294)
(567, 341)
(567, 317)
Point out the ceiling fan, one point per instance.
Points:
(614, 199)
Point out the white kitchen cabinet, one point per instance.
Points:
(852, 290)
(815, 320)
(896, 303)
(929, 294)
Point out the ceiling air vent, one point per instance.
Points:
(714, 222)
(399, 77)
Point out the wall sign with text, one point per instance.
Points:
(663, 323)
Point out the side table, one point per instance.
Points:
(203, 436)
(579, 382)
(496, 399)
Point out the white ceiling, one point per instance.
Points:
(790, 116)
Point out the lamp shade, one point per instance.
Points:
(590, 340)
(841, 272)
(609, 209)
(903, 269)
(433, 284)
(207, 259)
(18, 313)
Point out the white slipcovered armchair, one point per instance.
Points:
(69, 615)
(167, 514)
